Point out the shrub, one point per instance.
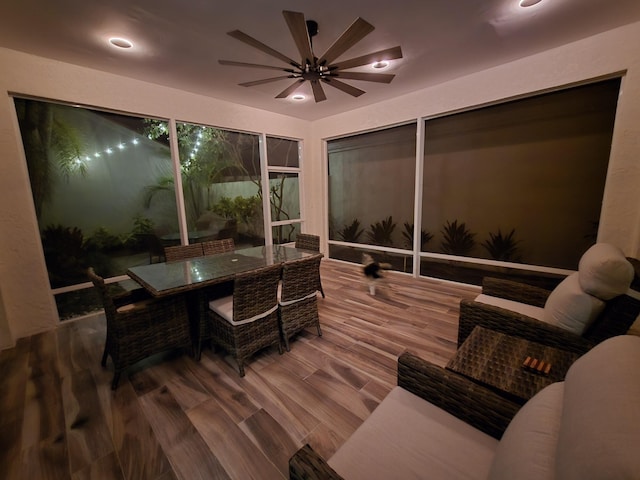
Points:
(352, 232)
(407, 234)
(380, 233)
(457, 239)
(502, 247)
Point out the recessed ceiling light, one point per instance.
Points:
(381, 64)
(298, 97)
(529, 3)
(120, 42)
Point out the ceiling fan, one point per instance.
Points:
(319, 70)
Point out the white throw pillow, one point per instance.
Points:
(527, 450)
(571, 308)
(605, 272)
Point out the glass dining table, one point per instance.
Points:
(194, 277)
(168, 278)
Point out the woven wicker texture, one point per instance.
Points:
(311, 242)
(253, 293)
(495, 359)
(298, 282)
(477, 405)
(617, 317)
(150, 326)
(183, 252)
(306, 464)
(213, 247)
(515, 291)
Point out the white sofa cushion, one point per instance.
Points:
(600, 427)
(406, 437)
(521, 308)
(605, 272)
(569, 307)
(527, 449)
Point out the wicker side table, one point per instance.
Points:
(495, 359)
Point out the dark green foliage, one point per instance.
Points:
(407, 234)
(380, 232)
(53, 149)
(103, 240)
(502, 247)
(239, 209)
(142, 225)
(68, 256)
(352, 232)
(457, 239)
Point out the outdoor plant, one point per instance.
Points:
(239, 209)
(407, 234)
(502, 247)
(457, 239)
(351, 232)
(380, 233)
(53, 149)
(103, 240)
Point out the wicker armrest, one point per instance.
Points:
(476, 405)
(505, 321)
(515, 291)
(306, 464)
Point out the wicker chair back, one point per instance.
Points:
(183, 252)
(223, 245)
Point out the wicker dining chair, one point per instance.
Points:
(310, 242)
(213, 247)
(183, 252)
(298, 300)
(139, 326)
(247, 321)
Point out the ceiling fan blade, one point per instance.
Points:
(318, 91)
(365, 76)
(388, 54)
(346, 88)
(243, 37)
(253, 65)
(264, 80)
(357, 31)
(290, 89)
(300, 34)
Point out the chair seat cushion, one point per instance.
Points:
(135, 305)
(224, 307)
(409, 438)
(571, 308)
(521, 308)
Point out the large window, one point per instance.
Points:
(90, 175)
(221, 184)
(108, 194)
(506, 189)
(371, 196)
(283, 159)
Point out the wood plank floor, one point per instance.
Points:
(175, 418)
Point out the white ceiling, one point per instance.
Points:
(178, 43)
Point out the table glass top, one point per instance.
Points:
(170, 277)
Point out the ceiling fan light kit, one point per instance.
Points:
(319, 70)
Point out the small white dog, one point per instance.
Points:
(373, 272)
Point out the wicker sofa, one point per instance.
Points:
(436, 424)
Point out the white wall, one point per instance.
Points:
(612, 52)
(28, 304)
